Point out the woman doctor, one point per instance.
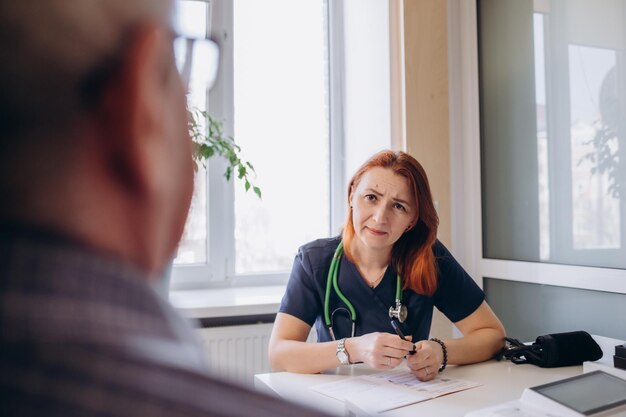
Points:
(387, 264)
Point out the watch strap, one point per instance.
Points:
(342, 353)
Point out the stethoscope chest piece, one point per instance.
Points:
(399, 312)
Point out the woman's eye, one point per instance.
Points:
(370, 197)
(399, 206)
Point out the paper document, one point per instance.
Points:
(387, 390)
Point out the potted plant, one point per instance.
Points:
(209, 140)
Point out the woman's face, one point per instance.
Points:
(383, 208)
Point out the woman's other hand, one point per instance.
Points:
(426, 361)
(378, 350)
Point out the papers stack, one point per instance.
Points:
(387, 390)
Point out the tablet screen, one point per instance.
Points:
(587, 393)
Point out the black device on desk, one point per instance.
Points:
(619, 359)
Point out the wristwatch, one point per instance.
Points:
(342, 353)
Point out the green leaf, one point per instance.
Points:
(242, 172)
(208, 139)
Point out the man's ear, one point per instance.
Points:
(131, 110)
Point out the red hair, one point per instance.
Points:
(412, 255)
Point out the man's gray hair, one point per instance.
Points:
(53, 53)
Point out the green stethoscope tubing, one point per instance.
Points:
(332, 280)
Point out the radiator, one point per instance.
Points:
(237, 352)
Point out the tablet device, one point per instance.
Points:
(587, 394)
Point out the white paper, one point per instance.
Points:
(391, 389)
(434, 388)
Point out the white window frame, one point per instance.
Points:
(219, 270)
(466, 175)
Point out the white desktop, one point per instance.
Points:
(499, 382)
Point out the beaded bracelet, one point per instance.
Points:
(445, 352)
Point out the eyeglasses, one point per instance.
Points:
(197, 61)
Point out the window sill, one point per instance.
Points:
(228, 302)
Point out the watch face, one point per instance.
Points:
(343, 357)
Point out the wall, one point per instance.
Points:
(425, 24)
(426, 88)
(529, 310)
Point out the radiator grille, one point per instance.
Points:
(237, 352)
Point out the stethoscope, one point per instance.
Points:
(398, 312)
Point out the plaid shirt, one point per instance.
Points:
(82, 334)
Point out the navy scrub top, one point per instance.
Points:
(457, 295)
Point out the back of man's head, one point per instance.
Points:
(56, 55)
(93, 124)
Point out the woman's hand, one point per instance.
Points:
(378, 350)
(426, 361)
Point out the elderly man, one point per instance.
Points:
(95, 182)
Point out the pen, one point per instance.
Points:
(398, 329)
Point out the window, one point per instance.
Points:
(272, 94)
(281, 122)
(552, 100)
(192, 16)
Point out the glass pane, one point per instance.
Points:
(191, 20)
(542, 137)
(553, 113)
(281, 123)
(596, 217)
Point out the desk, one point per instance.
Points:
(501, 381)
